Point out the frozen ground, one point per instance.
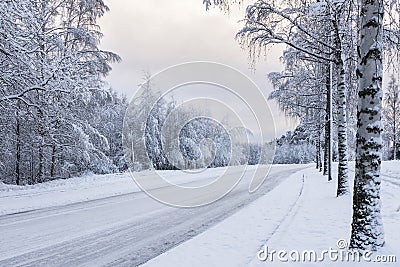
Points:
(302, 213)
(107, 221)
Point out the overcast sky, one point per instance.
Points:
(152, 35)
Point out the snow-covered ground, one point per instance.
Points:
(104, 220)
(301, 214)
(118, 230)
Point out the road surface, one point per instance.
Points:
(124, 230)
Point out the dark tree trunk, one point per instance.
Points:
(317, 152)
(18, 152)
(328, 123)
(53, 161)
(32, 179)
(41, 163)
(320, 152)
(394, 135)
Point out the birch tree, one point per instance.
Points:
(367, 228)
(320, 30)
(391, 114)
(374, 34)
(301, 93)
(341, 31)
(306, 27)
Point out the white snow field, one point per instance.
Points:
(107, 221)
(300, 214)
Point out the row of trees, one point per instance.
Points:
(56, 118)
(333, 62)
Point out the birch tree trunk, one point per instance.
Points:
(339, 28)
(343, 179)
(328, 127)
(367, 229)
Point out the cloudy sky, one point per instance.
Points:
(153, 35)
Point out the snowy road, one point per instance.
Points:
(124, 230)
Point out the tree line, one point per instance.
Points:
(57, 117)
(334, 62)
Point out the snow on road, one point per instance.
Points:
(301, 214)
(123, 228)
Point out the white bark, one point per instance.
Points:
(367, 228)
(343, 180)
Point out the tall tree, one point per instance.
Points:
(367, 228)
(341, 24)
(391, 114)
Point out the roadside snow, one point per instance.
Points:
(296, 215)
(15, 198)
(236, 240)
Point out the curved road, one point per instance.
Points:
(124, 230)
